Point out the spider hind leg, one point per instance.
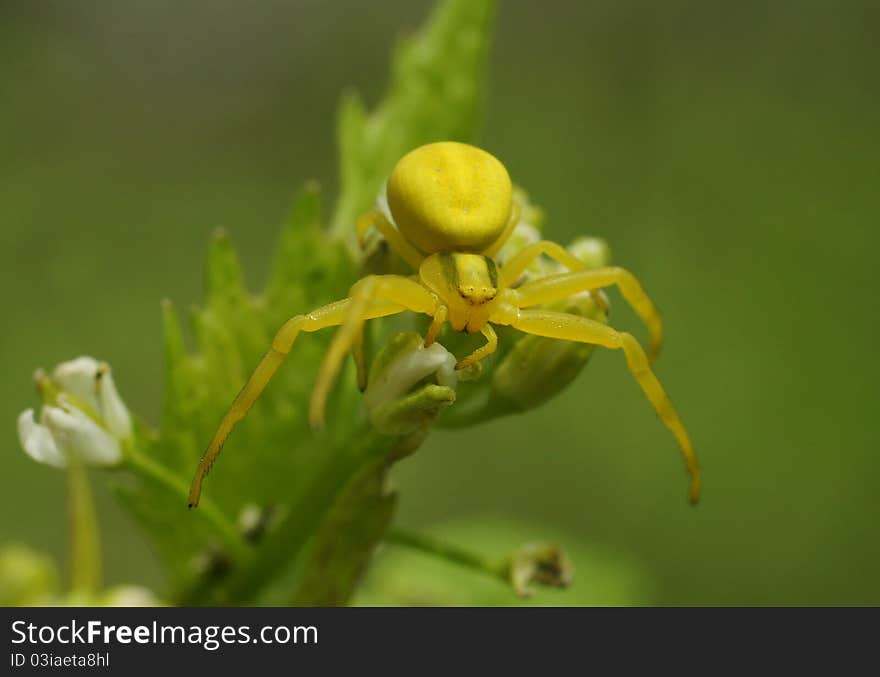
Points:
(575, 328)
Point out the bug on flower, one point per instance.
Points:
(453, 209)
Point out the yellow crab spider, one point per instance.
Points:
(453, 209)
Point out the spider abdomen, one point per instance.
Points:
(450, 196)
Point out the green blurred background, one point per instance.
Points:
(728, 151)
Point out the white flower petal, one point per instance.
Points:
(522, 236)
(112, 408)
(593, 251)
(382, 203)
(37, 442)
(78, 377)
(408, 369)
(76, 433)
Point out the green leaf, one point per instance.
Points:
(181, 388)
(224, 284)
(324, 490)
(272, 451)
(308, 269)
(436, 94)
(273, 460)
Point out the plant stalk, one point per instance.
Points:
(85, 542)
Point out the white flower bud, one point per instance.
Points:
(78, 377)
(91, 382)
(403, 364)
(593, 252)
(112, 408)
(76, 433)
(37, 441)
(522, 236)
(408, 367)
(82, 414)
(129, 596)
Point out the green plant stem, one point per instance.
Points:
(451, 553)
(285, 542)
(232, 540)
(85, 542)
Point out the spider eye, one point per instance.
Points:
(477, 295)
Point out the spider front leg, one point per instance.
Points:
(326, 316)
(436, 325)
(556, 287)
(395, 240)
(403, 292)
(575, 328)
(485, 350)
(513, 269)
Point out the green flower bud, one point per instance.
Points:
(538, 368)
(27, 578)
(531, 371)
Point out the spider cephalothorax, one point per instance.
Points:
(453, 209)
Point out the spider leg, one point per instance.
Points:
(392, 236)
(556, 287)
(575, 328)
(326, 316)
(513, 269)
(490, 347)
(436, 325)
(402, 292)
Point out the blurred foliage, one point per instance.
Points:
(26, 577)
(30, 578)
(724, 150)
(274, 444)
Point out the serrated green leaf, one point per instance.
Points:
(294, 251)
(224, 283)
(435, 94)
(316, 483)
(177, 408)
(273, 457)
